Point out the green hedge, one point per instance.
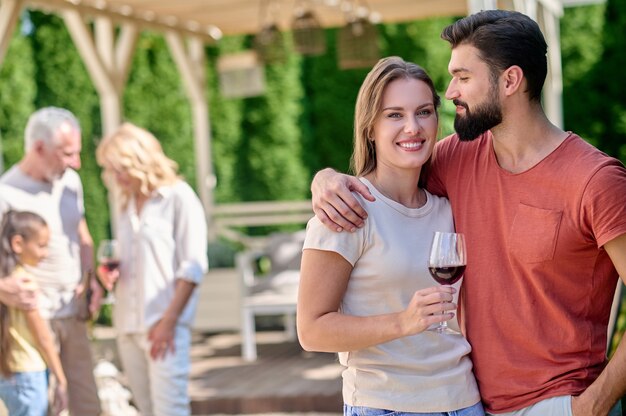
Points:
(269, 147)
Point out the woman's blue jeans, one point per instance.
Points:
(475, 410)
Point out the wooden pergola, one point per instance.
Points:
(187, 25)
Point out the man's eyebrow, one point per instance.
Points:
(460, 69)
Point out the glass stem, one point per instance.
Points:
(444, 324)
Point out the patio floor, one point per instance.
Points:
(284, 379)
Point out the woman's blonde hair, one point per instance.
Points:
(369, 102)
(136, 152)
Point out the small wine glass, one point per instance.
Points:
(446, 264)
(109, 257)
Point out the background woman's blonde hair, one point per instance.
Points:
(369, 102)
(136, 152)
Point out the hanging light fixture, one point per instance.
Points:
(308, 35)
(357, 42)
(269, 42)
(241, 75)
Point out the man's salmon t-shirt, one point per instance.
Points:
(538, 287)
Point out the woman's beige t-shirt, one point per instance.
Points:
(427, 372)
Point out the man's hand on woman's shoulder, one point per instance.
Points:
(333, 201)
(18, 290)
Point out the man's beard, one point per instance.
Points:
(53, 176)
(474, 123)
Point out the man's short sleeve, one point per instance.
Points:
(604, 203)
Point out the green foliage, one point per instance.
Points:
(610, 128)
(268, 147)
(155, 99)
(17, 86)
(581, 48)
(330, 94)
(266, 166)
(594, 55)
(105, 315)
(421, 42)
(608, 109)
(62, 81)
(593, 99)
(226, 123)
(263, 148)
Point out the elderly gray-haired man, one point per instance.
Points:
(45, 181)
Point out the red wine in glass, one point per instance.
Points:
(446, 264)
(447, 275)
(110, 264)
(109, 257)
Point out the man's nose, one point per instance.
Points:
(452, 91)
(74, 162)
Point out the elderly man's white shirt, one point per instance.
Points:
(60, 203)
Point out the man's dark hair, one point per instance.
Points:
(504, 38)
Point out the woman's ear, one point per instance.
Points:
(17, 244)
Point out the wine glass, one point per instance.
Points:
(446, 264)
(109, 257)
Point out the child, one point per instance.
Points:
(24, 335)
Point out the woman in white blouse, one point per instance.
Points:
(161, 230)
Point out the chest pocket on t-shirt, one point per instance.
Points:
(534, 233)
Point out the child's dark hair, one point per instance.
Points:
(27, 225)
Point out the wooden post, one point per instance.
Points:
(190, 63)
(108, 65)
(9, 15)
(107, 62)
(553, 87)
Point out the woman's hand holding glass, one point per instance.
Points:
(427, 307)
(108, 266)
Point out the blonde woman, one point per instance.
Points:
(161, 229)
(368, 295)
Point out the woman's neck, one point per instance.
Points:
(400, 187)
(140, 200)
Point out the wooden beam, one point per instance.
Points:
(554, 6)
(103, 28)
(99, 71)
(190, 63)
(192, 79)
(615, 311)
(83, 39)
(9, 15)
(124, 51)
(107, 60)
(474, 6)
(528, 7)
(574, 3)
(553, 88)
(208, 34)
